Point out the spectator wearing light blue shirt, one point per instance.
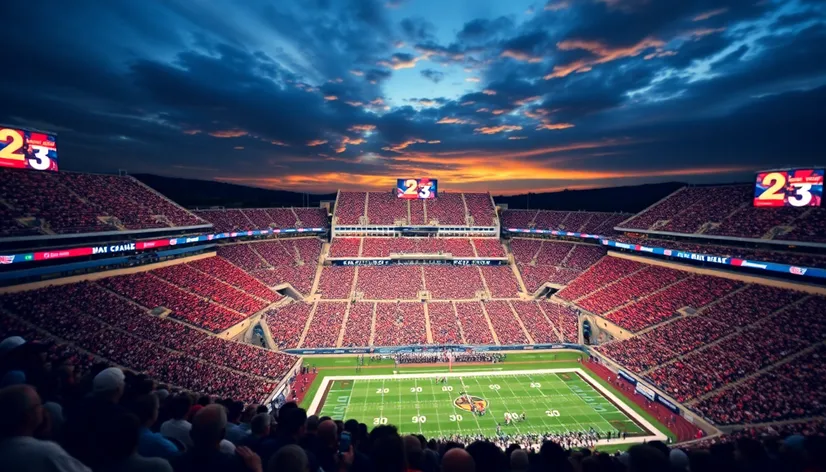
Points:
(151, 444)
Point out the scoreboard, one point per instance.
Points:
(789, 188)
(413, 189)
(27, 149)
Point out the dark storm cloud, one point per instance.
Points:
(593, 92)
(433, 75)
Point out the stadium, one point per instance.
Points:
(696, 321)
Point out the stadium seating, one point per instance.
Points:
(106, 325)
(606, 271)
(224, 270)
(287, 323)
(262, 218)
(480, 207)
(727, 210)
(538, 325)
(474, 323)
(489, 247)
(151, 292)
(507, 329)
(345, 247)
(443, 323)
(501, 281)
(275, 253)
(565, 319)
(535, 276)
(400, 324)
(312, 217)
(518, 218)
(385, 208)
(695, 292)
(452, 282)
(359, 325)
(390, 283)
(336, 282)
(631, 288)
(274, 262)
(448, 209)
(242, 255)
(69, 202)
(349, 207)
(325, 325)
(213, 289)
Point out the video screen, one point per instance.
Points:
(789, 188)
(26, 149)
(413, 189)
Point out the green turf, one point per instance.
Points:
(552, 403)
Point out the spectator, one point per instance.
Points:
(21, 414)
(519, 461)
(457, 460)
(259, 432)
(387, 449)
(151, 444)
(290, 458)
(235, 434)
(120, 448)
(177, 427)
(208, 428)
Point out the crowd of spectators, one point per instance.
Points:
(474, 323)
(480, 207)
(326, 324)
(500, 281)
(448, 209)
(153, 292)
(336, 282)
(225, 221)
(607, 270)
(69, 202)
(727, 210)
(695, 292)
(345, 247)
(244, 357)
(631, 288)
(287, 323)
(243, 256)
(574, 221)
(444, 325)
(312, 217)
(508, 329)
(400, 324)
(349, 207)
(213, 289)
(390, 283)
(359, 325)
(558, 262)
(533, 318)
(488, 247)
(535, 276)
(447, 356)
(565, 318)
(452, 282)
(277, 261)
(228, 272)
(417, 216)
(385, 208)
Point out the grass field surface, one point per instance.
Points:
(553, 402)
(365, 405)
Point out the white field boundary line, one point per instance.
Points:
(657, 436)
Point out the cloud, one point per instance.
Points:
(330, 98)
(520, 56)
(362, 128)
(603, 52)
(709, 14)
(556, 5)
(514, 138)
(452, 120)
(489, 92)
(316, 142)
(433, 75)
(554, 126)
(230, 133)
(472, 79)
(497, 129)
(400, 60)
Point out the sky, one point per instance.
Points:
(505, 96)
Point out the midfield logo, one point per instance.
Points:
(463, 404)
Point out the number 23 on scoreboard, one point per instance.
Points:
(774, 190)
(13, 151)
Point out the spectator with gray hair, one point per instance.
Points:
(208, 429)
(21, 413)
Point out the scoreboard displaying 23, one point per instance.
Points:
(27, 149)
(413, 189)
(789, 188)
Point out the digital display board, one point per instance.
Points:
(789, 188)
(413, 189)
(26, 149)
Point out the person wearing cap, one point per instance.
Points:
(21, 414)
(85, 421)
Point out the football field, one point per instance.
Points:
(553, 401)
